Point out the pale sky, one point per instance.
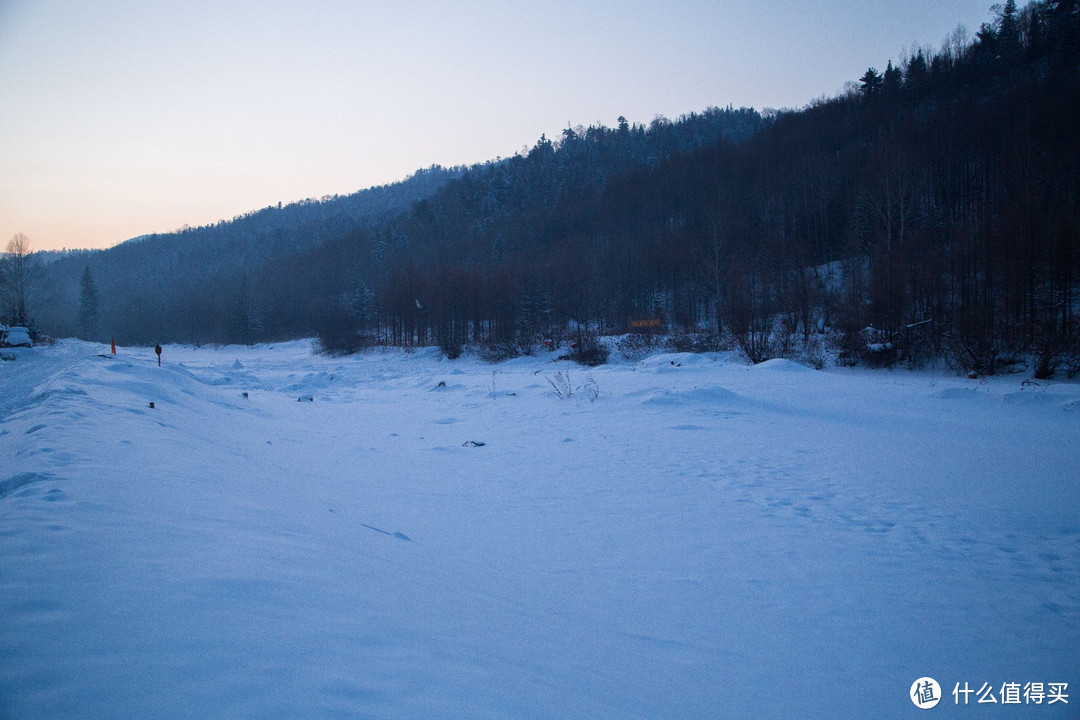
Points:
(126, 117)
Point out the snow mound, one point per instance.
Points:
(1031, 397)
(670, 361)
(311, 381)
(420, 354)
(782, 365)
(703, 396)
(526, 362)
(959, 393)
(20, 480)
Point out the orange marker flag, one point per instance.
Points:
(113, 345)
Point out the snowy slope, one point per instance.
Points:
(705, 539)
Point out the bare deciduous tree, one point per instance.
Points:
(18, 273)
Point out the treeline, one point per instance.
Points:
(283, 272)
(931, 211)
(192, 285)
(498, 255)
(936, 203)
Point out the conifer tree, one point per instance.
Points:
(88, 306)
(892, 80)
(1009, 45)
(871, 82)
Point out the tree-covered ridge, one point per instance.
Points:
(169, 285)
(252, 278)
(937, 202)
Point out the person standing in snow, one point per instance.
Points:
(157, 349)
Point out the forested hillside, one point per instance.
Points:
(190, 285)
(936, 203)
(280, 272)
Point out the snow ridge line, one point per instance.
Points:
(20, 480)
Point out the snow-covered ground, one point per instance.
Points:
(684, 537)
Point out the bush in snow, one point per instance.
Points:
(500, 350)
(588, 350)
(338, 329)
(450, 347)
(1053, 349)
(700, 342)
(564, 387)
(636, 346)
(980, 354)
(561, 384)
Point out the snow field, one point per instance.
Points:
(704, 539)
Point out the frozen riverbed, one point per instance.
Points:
(684, 537)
